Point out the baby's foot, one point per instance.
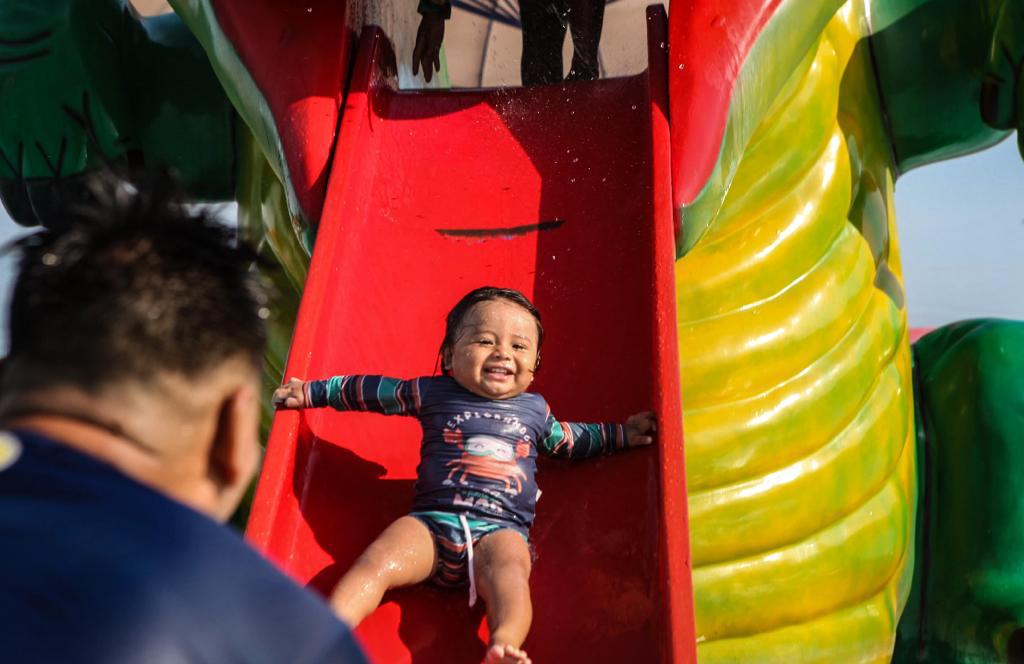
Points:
(501, 654)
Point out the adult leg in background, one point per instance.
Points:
(586, 20)
(543, 34)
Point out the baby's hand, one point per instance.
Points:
(290, 395)
(640, 427)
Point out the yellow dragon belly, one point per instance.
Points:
(797, 396)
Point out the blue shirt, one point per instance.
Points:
(95, 567)
(478, 455)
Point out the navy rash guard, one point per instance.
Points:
(478, 456)
(97, 568)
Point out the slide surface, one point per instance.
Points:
(560, 192)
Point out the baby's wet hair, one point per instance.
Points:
(453, 322)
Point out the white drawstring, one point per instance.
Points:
(469, 559)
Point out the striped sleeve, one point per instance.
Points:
(377, 394)
(575, 440)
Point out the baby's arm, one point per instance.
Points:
(575, 440)
(378, 394)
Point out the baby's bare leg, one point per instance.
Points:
(402, 555)
(503, 579)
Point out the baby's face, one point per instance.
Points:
(495, 350)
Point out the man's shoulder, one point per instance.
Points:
(114, 554)
(69, 491)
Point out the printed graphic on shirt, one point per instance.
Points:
(477, 455)
(488, 458)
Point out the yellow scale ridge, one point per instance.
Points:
(797, 396)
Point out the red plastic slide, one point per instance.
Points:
(562, 192)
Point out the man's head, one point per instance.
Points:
(145, 319)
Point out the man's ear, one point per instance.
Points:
(234, 452)
(446, 359)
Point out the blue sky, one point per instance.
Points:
(961, 231)
(961, 225)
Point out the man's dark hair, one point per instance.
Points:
(453, 323)
(133, 285)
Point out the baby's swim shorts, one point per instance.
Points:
(455, 535)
